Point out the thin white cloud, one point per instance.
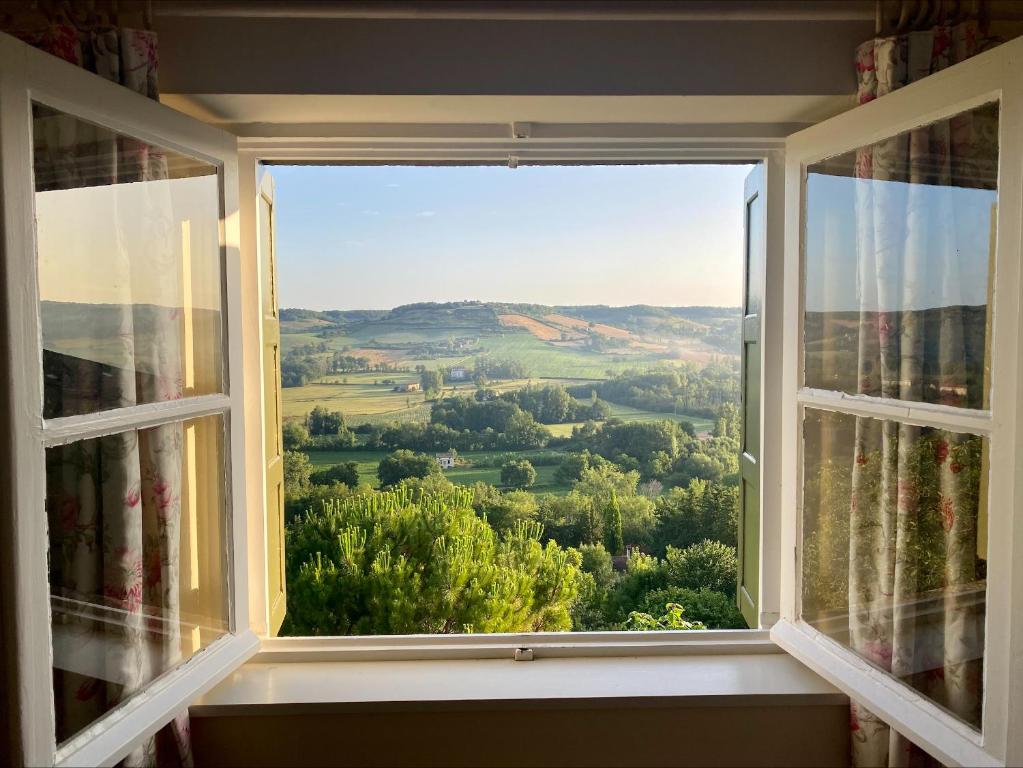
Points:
(392, 185)
(426, 214)
(369, 212)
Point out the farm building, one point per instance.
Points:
(458, 374)
(412, 386)
(446, 460)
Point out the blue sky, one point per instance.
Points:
(946, 229)
(377, 237)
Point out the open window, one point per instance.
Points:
(902, 340)
(537, 364)
(126, 437)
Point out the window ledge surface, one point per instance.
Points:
(697, 680)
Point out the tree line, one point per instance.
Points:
(670, 389)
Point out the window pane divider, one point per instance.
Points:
(920, 414)
(90, 425)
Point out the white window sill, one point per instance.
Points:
(697, 679)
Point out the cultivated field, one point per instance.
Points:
(567, 346)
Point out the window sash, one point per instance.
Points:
(29, 76)
(991, 76)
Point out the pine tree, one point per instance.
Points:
(614, 541)
(410, 561)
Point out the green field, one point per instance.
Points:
(364, 399)
(542, 359)
(367, 462)
(365, 402)
(360, 396)
(628, 413)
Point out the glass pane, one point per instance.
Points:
(899, 249)
(267, 267)
(129, 268)
(892, 563)
(754, 254)
(137, 561)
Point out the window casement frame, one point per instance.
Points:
(29, 76)
(988, 77)
(627, 147)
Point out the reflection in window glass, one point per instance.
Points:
(899, 242)
(892, 562)
(137, 541)
(129, 268)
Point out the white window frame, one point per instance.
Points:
(991, 76)
(613, 147)
(28, 76)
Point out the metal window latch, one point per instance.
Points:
(523, 654)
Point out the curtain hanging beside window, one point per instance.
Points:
(114, 503)
(902, 476)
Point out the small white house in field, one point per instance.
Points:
(458, 374)
(446, 460)
(412, 386)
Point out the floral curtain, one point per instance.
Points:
(114, 503)
(906, 235)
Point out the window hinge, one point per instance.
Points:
(523, 654)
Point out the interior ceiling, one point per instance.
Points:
(757, 68)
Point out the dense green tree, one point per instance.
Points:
(297, 471)
(294, 435)
(613, 540)
(491, 369)
(728, 422)
(572, 465)
(524, 433)
(597, 582)
(640, 439)
(565, 518)
(406, 562)
(643, 574)
(547, 403)
(506, 510)
(518, 473)
(701, 510)
(596, 561)
(402, 464)
(709, 564)
(320, 421)
(347, 473)
(599, 482)
(431, 381)
(688, 387)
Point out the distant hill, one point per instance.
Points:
(717, 327)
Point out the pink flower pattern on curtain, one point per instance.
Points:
(882, 577)
(114, 503)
